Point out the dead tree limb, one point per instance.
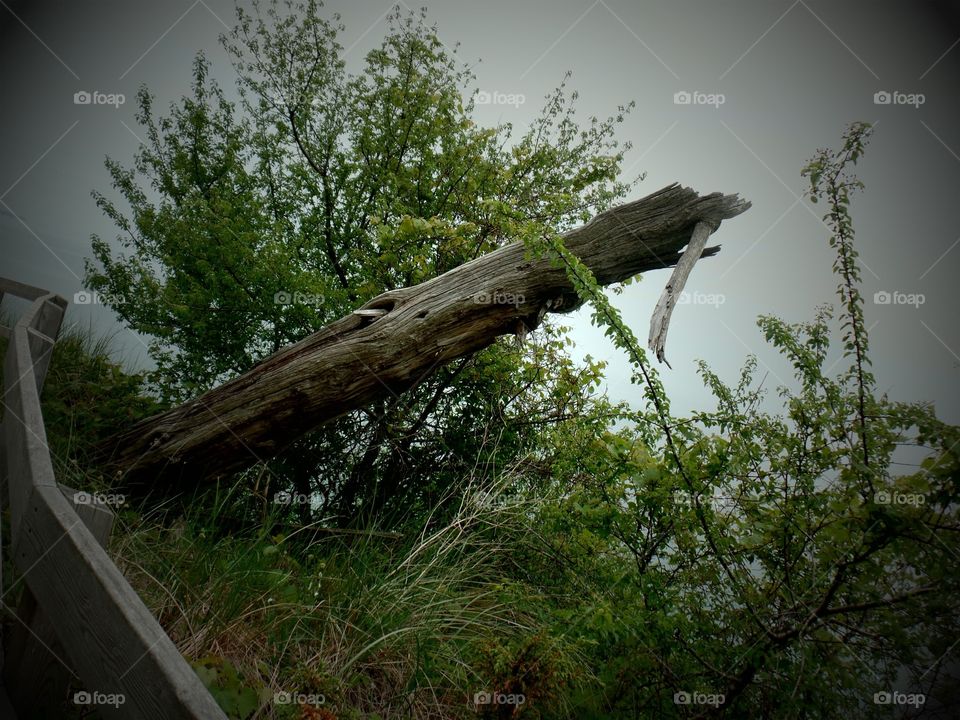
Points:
(395, 340)
(660, 320)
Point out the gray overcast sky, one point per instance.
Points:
(793, 74)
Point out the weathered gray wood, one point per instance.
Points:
(95, 514)
(100, 622)
(660, 320)
(358, 358)
(98, 617)
(28, 459)
(38, 675)
(41, 676)
(27, 359)
(21, 290)
(48, 315)
(44, 321)
(41, 351)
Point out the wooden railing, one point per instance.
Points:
(79, 623)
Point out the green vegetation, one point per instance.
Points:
(503, 531)
(245, 227)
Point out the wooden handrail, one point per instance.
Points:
(20, 290)
(74, 593)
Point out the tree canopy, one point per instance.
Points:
(250, 224)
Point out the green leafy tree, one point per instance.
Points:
(248, 224)
(756, 564)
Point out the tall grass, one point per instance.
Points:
(407, 627)
(358, 624)
(88, 395)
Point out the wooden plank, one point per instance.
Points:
(44, 315)
(91, 608)
(42, 322)
(41, 677)
(26, 361)
(38, 675)
(21, 290)
(95, 514)
(28, 460)
(31, 639)
(49, 315)
(41, 351)
(98, 617)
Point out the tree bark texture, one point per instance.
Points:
(397, 339)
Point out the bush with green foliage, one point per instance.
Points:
(88, 396)
(249, 225)
(775, 564)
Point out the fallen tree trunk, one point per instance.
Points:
(398, 338)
